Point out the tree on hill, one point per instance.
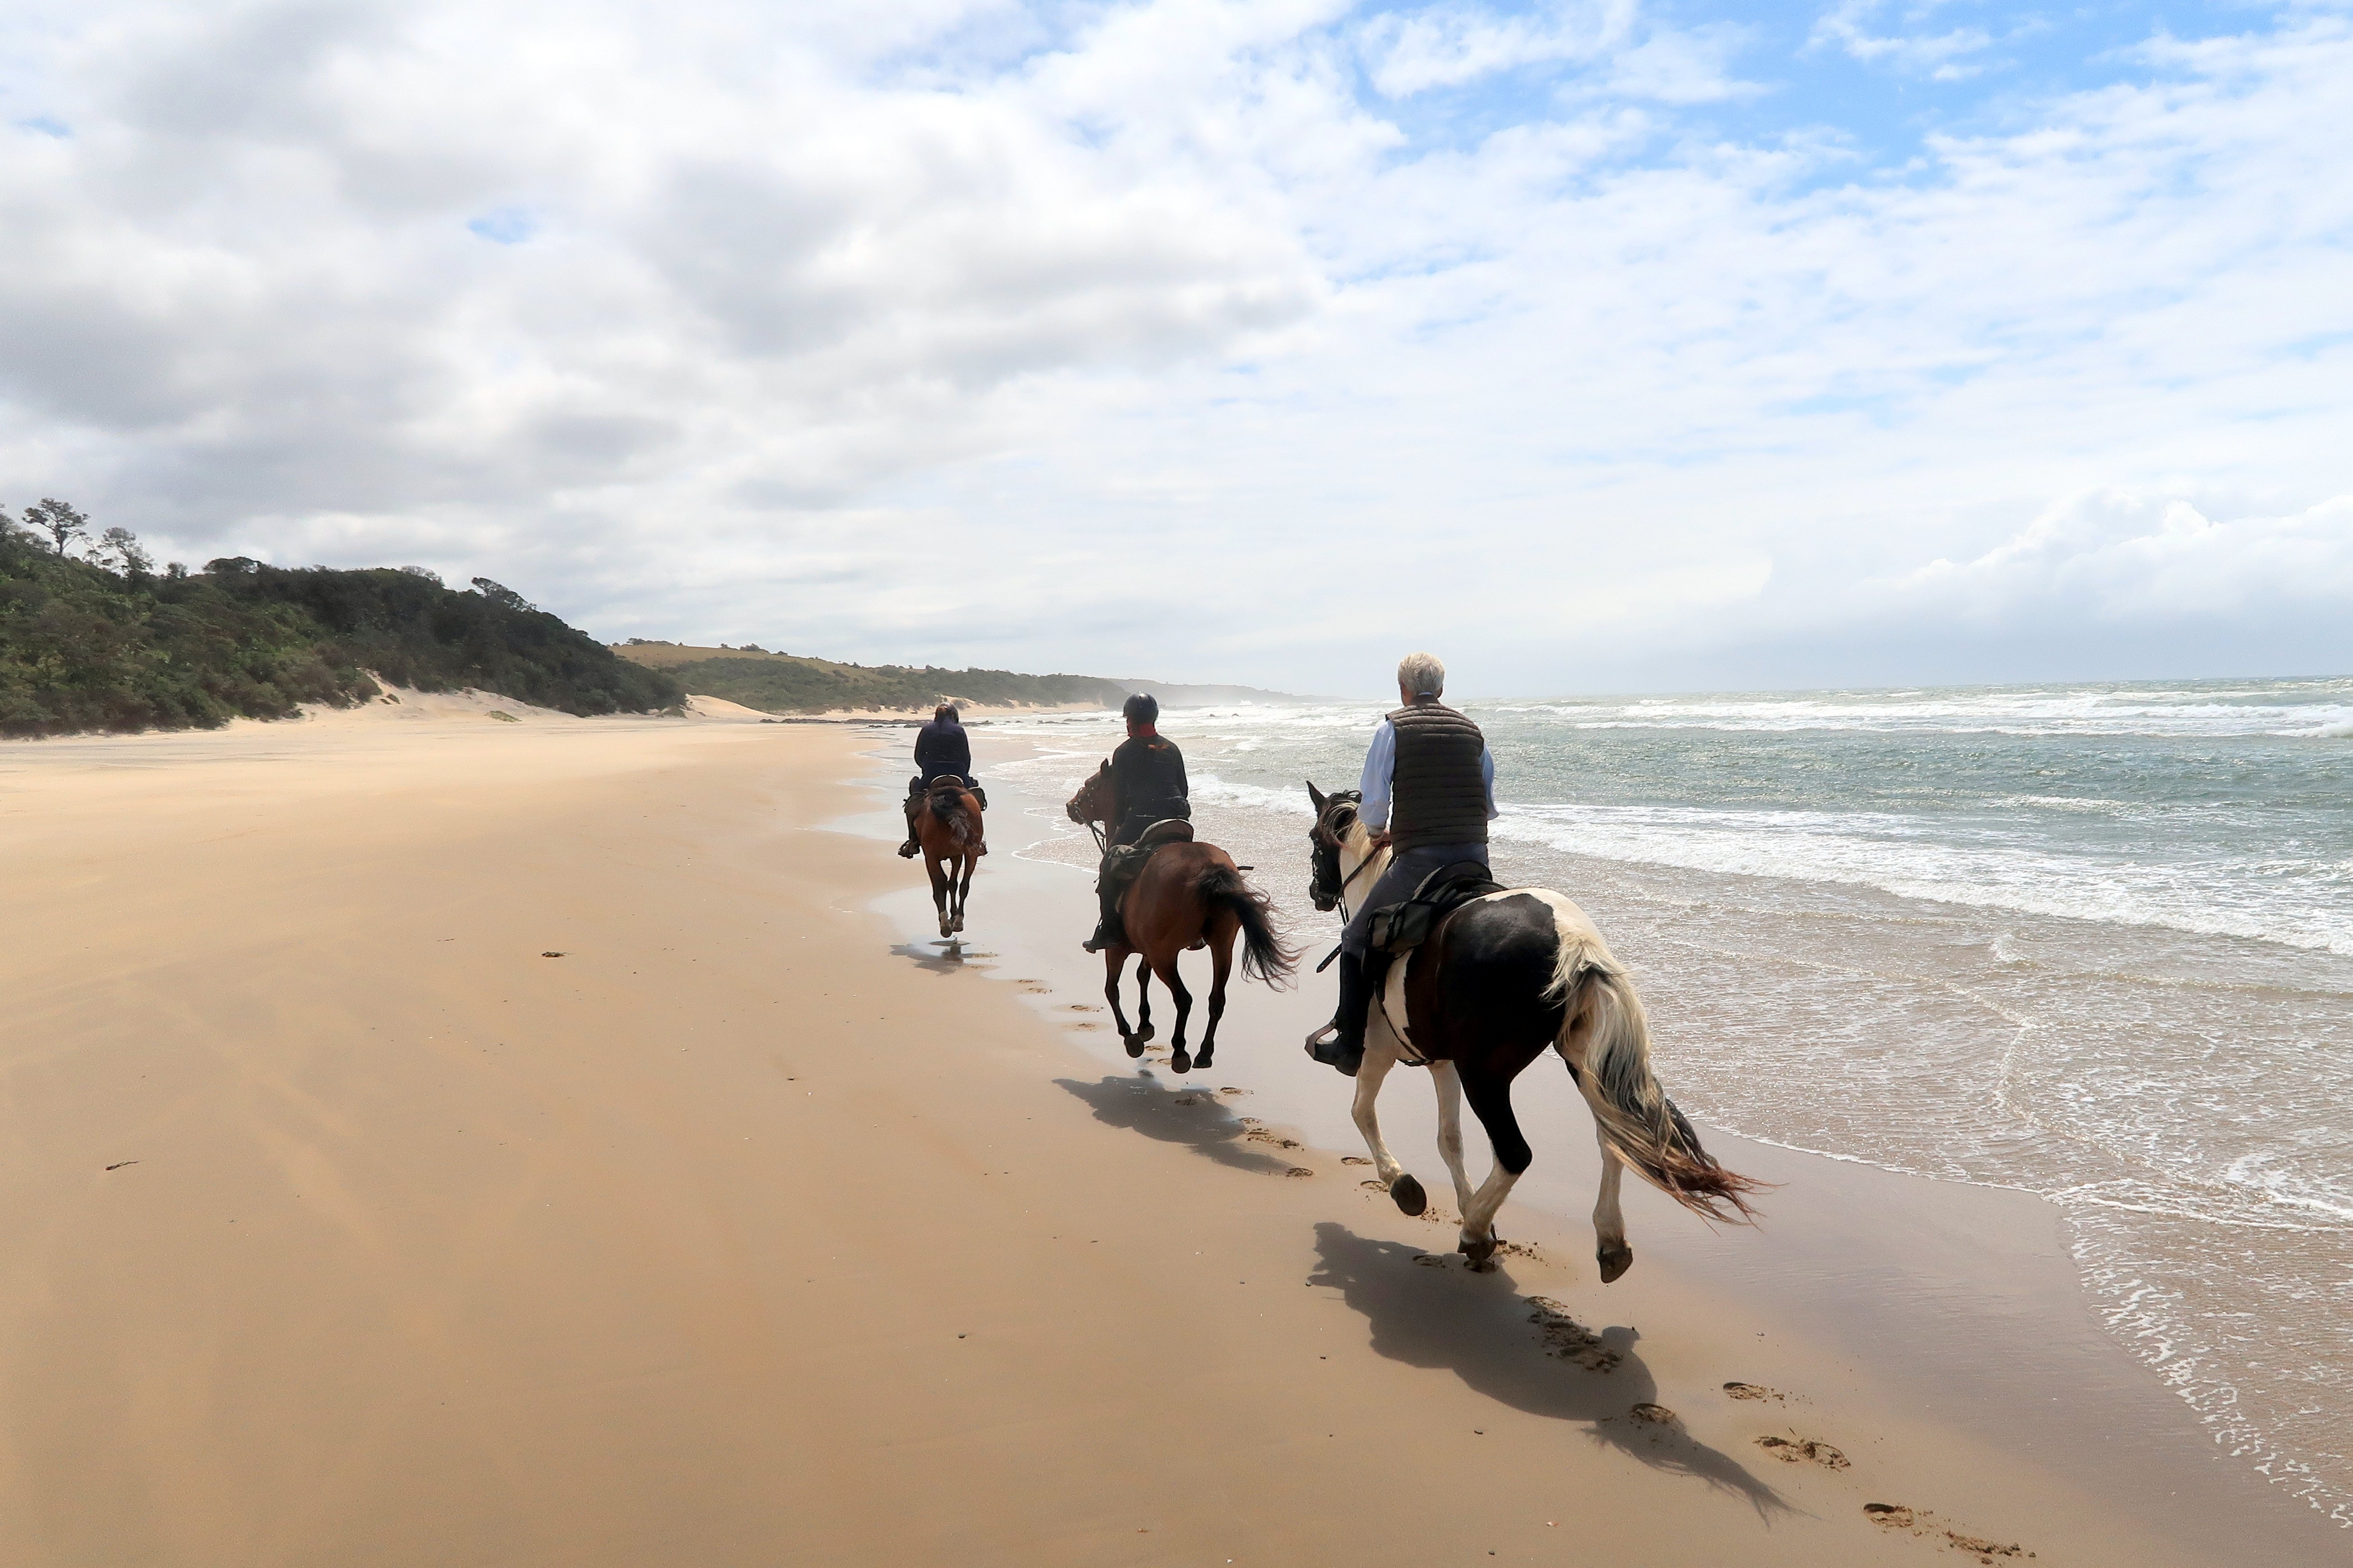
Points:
(106, 644)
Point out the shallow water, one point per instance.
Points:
(2094, 942)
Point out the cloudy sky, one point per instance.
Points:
(1595, 346)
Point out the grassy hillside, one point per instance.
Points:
(788, 683)
(86, 646)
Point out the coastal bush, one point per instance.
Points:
(106, 642)
(779, 683)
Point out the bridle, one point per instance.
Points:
(1082, 809)
(1326, 887)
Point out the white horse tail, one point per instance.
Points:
(1604, 1038)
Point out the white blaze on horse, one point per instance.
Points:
(1500, 981)
(948, 828)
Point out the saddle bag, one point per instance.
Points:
(1401, 928)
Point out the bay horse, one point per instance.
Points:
(1189, 895)
(1497, 983)
(948, 828)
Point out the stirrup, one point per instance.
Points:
(1323, 1047)
(910, 850)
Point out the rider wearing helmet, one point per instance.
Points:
(1147, 786)
(1429, 794)
(942, 751)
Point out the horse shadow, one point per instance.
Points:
(935, 957)
(1478, 1327)
(1196, 1118)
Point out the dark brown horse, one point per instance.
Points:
(1188, 895)
(948, 827)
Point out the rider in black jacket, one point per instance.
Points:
(942, 751)
(1147, 786)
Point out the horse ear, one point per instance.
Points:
(1317, 796)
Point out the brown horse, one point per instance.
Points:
(1188, 895)
(948, 827)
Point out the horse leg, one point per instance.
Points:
(1143, 1001)
(1449, 1085)
(939, 876)
(964, 885)
(1221, 964)
(1608, 1224)
(1491, 1100)
(1114, 960)
(1379, 1057)
(1177, 1059)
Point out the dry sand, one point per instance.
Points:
(459, 1141)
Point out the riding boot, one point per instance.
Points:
(1344, 1050)
(1110, 931)
(911, 848)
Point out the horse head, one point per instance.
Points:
(1087, 805)
(1335, 817)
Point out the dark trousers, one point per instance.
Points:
(1396, 884)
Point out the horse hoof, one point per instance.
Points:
(1410, 1198)
(1480, 1252)
(1144, 1034)
(1178, 1061)
(1614, 1261)
(1202, 1060)
(1134, 1044)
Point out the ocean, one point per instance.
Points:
(2094, 942)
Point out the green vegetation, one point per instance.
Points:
(102, 641)
(788, 683)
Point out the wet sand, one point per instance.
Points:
(527, 1143)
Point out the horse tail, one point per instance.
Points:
(1640, 1122)
(1263, 956)
(955, 810)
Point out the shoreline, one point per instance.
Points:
(526, 1143)
(1959, 1297)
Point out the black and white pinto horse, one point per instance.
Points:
(1501, 980)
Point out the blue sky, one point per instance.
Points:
(1596, 346)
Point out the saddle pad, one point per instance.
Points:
(1399, 928)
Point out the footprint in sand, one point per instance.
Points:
(1080, 1007)
(1566, 1338)
(1229, 1089)
(1656, 1414)
(1894, 1516)
(1260, 1135)
(1298, 1171)
(1376, 1186)
(1796, 1450)
(1086, 1025)
(1753, 1391)
(1354, 1159)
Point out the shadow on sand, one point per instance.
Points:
(1478, 1327)
(1196, 1118)
(934, 956)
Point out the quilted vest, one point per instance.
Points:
(1439, 794)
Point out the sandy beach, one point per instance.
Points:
(435, 1139)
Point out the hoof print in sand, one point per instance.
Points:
(1354, 1159)
(1430, 1261)
(1920, 1521)
(1260, 1135)
(1753, 1391)
(1803, 1450)
(1568, 1340)
(1376, 1186)
(1298, 1171)
(1229, 1089)
(1656, 1414)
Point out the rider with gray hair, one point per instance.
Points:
(1429, 794)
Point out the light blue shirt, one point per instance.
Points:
(1380, 772)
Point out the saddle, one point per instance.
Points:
(1401, 928)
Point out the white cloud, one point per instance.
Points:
(1150, 343)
